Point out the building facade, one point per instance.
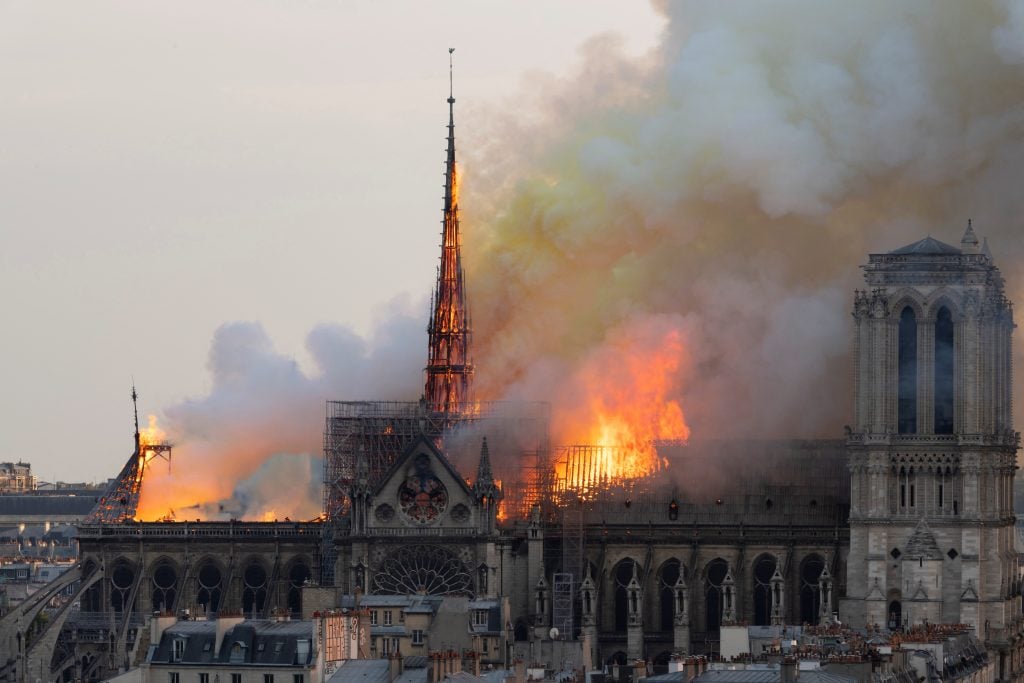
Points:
(932, 451)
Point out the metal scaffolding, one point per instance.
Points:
(565, 598)
(379, 432)
(562, 599)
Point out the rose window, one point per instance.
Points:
(423, 569)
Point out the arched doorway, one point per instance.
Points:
(895, 618)
(617, 658)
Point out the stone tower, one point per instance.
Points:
(932, 449)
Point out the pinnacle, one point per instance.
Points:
(969, 243)
(484, 471)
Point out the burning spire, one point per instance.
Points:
(120, 501)
(449, 371)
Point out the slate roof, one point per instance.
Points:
(387, 630)
(42, 506)
(385, 601)
(412, 675)
(58, 532)
(463, 677)
(824, 677)
(362, 671)
(769, 674)
(254, 641)
(740, 676)
(929, 245)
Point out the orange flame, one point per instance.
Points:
(151, 435)
(624, 406)
(455, 187)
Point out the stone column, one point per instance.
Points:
(635, 625)
(778, 593)
(681, 621)
(825, 591)
(588, 603)
(728, 598)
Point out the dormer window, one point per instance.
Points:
(177, 649)
(237, 653)
(302, 647)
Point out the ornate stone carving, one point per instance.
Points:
(427, 569)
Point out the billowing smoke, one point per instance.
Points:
(729, 184)
(705, 205)
(251, 448)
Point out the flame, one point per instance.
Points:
(624, 406)
(455, 187)
(151, 435)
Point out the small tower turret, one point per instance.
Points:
(969, 242)
(486, 492)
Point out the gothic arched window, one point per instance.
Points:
(165, 579)
(208, 588)
(121, 580)
(715, 572)
(810, 592)
(907, 360)
(623, 575)
(668, 576)
(944, 361)
(764, 569)
(298, 576)
(254, 591)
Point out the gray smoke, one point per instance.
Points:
(252, 447)
(733, 180)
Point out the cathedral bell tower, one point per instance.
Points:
(932, 449)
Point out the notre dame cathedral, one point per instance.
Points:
(907, 519)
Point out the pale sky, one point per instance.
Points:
(169, 167)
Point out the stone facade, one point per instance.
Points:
(932, 451)
(909, 519)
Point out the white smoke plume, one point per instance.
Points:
(252, 448)
(731, 182)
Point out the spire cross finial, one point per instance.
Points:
(451, 77)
